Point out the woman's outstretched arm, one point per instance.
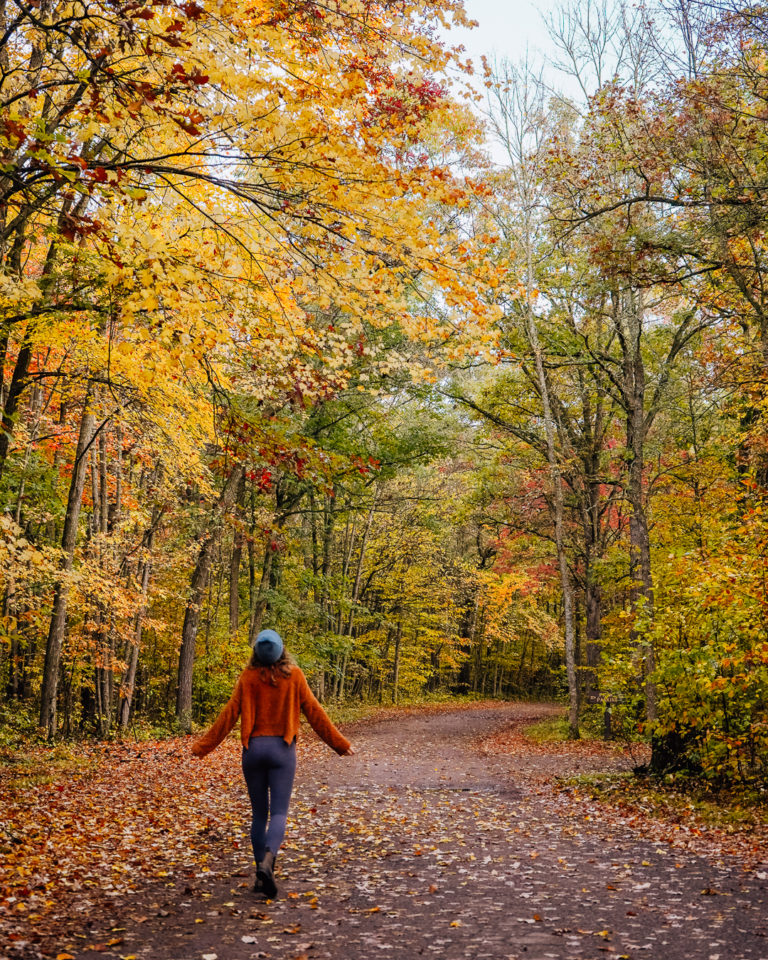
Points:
(221, 725)
(320, 721)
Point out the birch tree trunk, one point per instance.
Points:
(520, 122)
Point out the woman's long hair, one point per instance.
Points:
(280, 668)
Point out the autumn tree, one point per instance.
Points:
(185, 209)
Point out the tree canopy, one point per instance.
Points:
(461, 393)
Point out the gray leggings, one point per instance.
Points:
(269, 765)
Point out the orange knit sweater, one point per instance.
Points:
(268, 710)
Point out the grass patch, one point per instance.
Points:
(351, 712)
(41, 765)
(549, 730)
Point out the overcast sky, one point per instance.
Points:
(511, 28)
(506, 27)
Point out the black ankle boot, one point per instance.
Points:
(266, 876)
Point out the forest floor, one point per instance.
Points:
(449, 834)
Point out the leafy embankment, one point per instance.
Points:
(595, 781)
(728, 822)
(85, 829)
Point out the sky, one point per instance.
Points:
(506, 27)
(512, 29)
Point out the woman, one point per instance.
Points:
(268, 697)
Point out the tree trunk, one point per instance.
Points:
(260, 605)
(118, 511)
(342, 675)
(396, 670)
(129, 677)
(630, 325)
(61, 592)
(196, 594)
(12, 687)
(252, 594)
(329, 517)
(15, 389)
(593, 630)
(234, 585)
(234, 563)
(93, 523)
(359, 570)
(559, 506)
(640, 561)
(103, 484)
(317, 592)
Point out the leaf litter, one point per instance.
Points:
(432, 841)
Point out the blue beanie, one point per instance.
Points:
(268, 647)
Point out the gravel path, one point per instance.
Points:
(426, 845)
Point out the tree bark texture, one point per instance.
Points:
(559, 505)
(197, 587)
(629, 324)
(61, 591)
(128, 683)
(235, 561)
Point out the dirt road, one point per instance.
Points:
(424, 846)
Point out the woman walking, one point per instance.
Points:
(268, 697)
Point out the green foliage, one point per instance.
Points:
(713, 670)
(550, 730)
(18, 728)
